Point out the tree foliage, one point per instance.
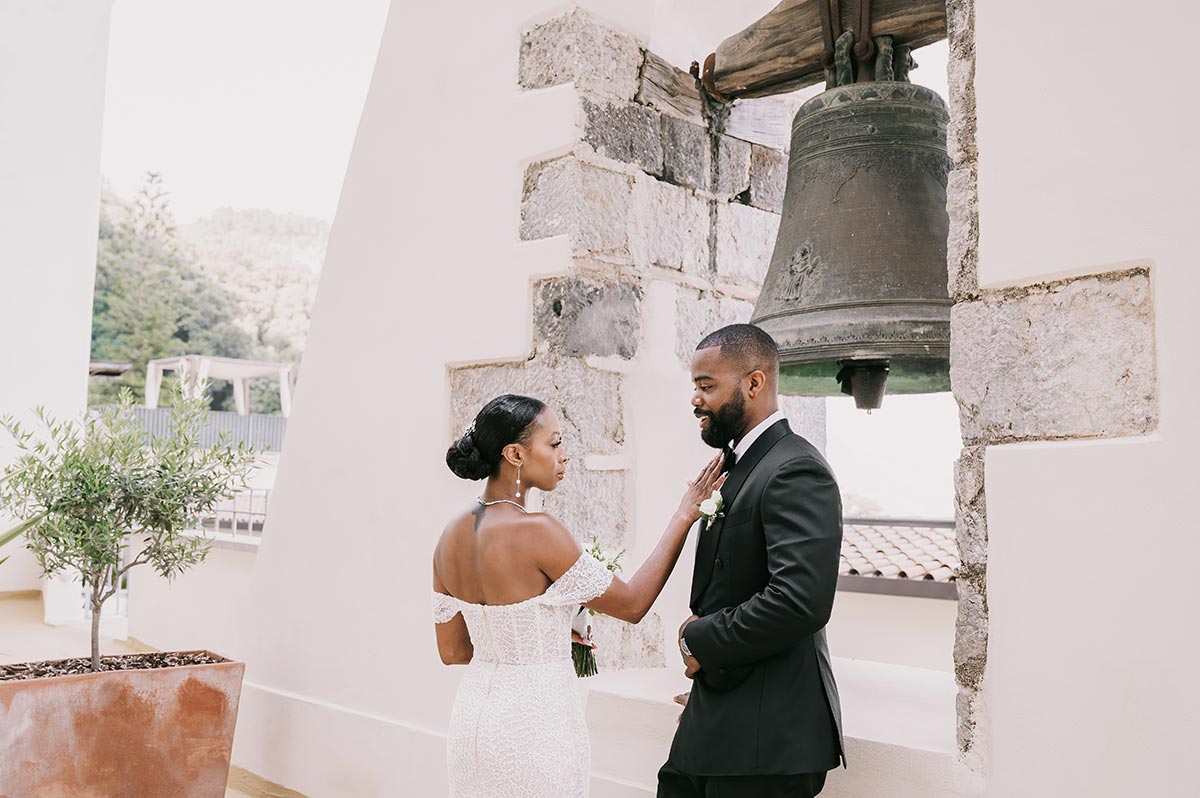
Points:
(86, 487)
(237, 284)
(151, 299)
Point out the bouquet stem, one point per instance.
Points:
(585, 660)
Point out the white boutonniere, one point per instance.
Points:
(712, 508)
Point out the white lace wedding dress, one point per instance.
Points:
(517, 729)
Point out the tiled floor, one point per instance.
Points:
(24, 638)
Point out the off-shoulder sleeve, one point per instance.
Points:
(583, 581)
(444, 607)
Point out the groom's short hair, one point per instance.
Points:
(748, 345)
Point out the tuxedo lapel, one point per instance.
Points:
(706, 547)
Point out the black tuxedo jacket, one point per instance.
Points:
(765, 702)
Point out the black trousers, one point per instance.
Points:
(673, 784)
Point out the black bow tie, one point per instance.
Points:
(730, 459)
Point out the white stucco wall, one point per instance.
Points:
(684, 31)
(899, 630)
(52, 64)
(1090, 682)
(423, 269)
(204, 608)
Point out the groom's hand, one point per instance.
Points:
(691, 666)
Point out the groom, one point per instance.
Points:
(763, 718)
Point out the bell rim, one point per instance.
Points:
(908, 375)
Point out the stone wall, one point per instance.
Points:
(1061, 360)
(649, 192)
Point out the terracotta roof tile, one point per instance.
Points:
(899, 549)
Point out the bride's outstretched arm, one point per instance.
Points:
(631, 600)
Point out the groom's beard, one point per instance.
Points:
(726, 423)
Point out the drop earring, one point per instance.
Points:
(518, 480)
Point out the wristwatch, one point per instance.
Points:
(683, 646)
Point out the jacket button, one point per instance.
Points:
(719, 564)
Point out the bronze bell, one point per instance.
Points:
(856, 293)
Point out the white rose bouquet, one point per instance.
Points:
(581, 653)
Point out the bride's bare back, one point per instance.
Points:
(490, 555)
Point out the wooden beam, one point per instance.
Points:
(669, 90)
(785, 50)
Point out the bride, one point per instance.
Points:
(506, 586)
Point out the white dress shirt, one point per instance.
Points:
(750, 437)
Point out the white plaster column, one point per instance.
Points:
(53, 55)
(424, 269)
(1090, 684)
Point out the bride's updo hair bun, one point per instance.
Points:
(504, 420)
(465, 459)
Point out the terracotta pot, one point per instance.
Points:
(161, 733)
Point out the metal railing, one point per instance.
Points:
(258, 430)
(239, 519)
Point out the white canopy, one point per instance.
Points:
(196, 370)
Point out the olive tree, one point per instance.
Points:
(87, 488)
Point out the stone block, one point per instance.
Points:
(806, 415)
(970, 506)
(1072, 359)
(686, 155)
(587, 400)
(960, 133)
(471, 387)
(581, 49)
(604, 199)
(669, 227)
(967, 708)
(590, 205)
(765, 120)
(621, 645)
(745, 241)
(642, 644)
(962, 243)
(768, 178)
(971, 636)
(960, 75)
(624, 132)
(607, 633)
(548, 208)
(697, 313)
(733, 168)
(591, 504)
(578, 317)
(960, 27)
